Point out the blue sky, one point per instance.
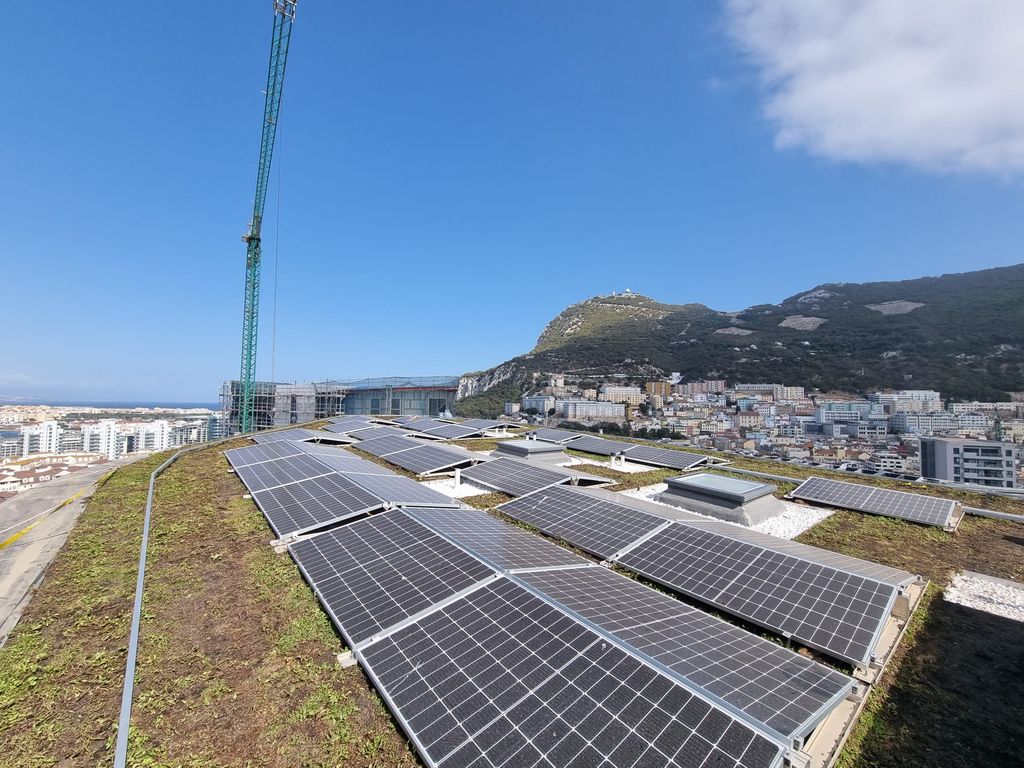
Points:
(452, 175)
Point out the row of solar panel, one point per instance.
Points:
(301, 487)
(495, 647)
(637, 452)
(918, 508)
(836, 604)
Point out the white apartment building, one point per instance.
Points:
(777, 391)
(886, 461)
(909, 400)
(542, 403)
(617, 394)
(578, 410)
(975, 422)
(924, 423)
(1003, 408)
(103, 437)
(41, 438)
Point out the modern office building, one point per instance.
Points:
(279, 404)
(976, 462)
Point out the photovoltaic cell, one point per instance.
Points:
(503, 546)
(401, 491)
(425, 459)
(915, 507)
(554, 435)
(344, 462)
(588, 522)
(501, 678)
(383, 446)
(516, 478)
(349, 426)
(378, 571)
(255, 454)
(837, 612)
(664, 457)
(482, 423)
(453, 432)
(298, 433)
(599, 445)
(375, 432)
(777, 687)
(311, 504)
(269, 474)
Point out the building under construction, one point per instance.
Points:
(277, 403)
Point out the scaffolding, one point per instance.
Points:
(281, 403)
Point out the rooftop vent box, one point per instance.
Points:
(727, 498)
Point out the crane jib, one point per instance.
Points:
(284, 16)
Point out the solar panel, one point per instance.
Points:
(404, 419)
(375, 432)
(254, 454)
(345, 463)
(915, 507)
(453, 432)
(424, 425)
(310, 504)
(664, 457)
(383, 446)
(501, 678)
(350, 419)
(402, 491)
(349, 427)
(777, 687)
(298, 433)
(483, 423)
(837, 612)
(516, 478)
(553, 435)
(270, 474)
(594, 524)
(503, 546)
(425, 459)
(378, 571)
(599, 446)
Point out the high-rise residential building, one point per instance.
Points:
(660, 388)
(924, 423)
(611, 393)
(580, 410)
(976, 462)
(702, 387)
(41, 438)
(540, 403)
(104, 437)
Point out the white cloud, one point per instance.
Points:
(936, 84)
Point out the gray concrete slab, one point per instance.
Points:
(32, 531)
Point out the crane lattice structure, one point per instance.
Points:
(284, 17)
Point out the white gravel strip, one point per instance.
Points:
(446, 485)
(997, 598)
(796, 519)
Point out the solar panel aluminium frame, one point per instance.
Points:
(549, 435)
(360, 652)
(348, 514)
(803, 728)
(519, 468)
(414, 460)
(598, 446)
(641, 454)
(623, 559)
(886, 498)
(346, 631)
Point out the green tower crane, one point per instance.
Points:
(284, 17)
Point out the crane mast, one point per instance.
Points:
(284, 17)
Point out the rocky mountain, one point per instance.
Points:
(962, 334)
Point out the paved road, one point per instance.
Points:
(32, 532)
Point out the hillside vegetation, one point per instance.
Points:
(959, 333)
